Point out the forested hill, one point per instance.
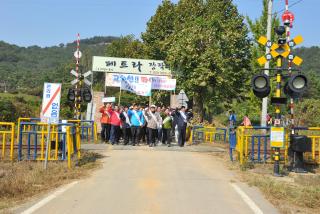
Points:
(28, 67)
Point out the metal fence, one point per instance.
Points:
(205, 134)
(252, 144)
(7, 138)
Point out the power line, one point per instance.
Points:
(290, 5)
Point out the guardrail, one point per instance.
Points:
(253, 144)
(200, 134)
(7, 139)
(88, 128)
(314, 134)
(64, 140)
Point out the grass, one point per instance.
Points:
(26, 97)
(21, 180)
(293, 193)
(289, 197)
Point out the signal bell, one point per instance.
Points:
(71, 95)
(261, 85)
(296, 85)
(86, 94)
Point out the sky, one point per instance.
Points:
(51, 22)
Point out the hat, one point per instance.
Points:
(152, 106)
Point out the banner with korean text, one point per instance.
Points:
(130, 66)
(142, 89)
(157, 82)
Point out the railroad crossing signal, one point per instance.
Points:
(283, 49)
(81, 77)
(80, 93)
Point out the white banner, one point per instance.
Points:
(51, 103)
(157, 82)
(142, 89)
(130, 66)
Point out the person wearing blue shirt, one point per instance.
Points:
(232, 119)
(137, 121)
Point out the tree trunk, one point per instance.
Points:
(198, 109)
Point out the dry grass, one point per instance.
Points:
(293, 193)
(289, 197)
(22, 180)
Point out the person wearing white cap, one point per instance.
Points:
(154, 121)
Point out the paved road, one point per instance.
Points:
(147, 180)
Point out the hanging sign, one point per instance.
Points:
(142, 89)
(130, 66)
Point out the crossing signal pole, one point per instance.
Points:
(294, 87)
(80, 92)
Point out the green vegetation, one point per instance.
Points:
(13, 106)
(207, 46)
(24, 70)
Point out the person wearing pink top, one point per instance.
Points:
(115, 122)
(246, 121)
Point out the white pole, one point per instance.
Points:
(264, 110)
(47, 145)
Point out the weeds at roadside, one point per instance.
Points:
(22, 180)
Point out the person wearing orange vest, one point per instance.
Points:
(105, 110)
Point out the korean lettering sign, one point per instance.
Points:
(157, 82)
(130, 66)
(51, 103)
(142, 89)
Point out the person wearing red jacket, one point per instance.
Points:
(105, 110)
(115, 125)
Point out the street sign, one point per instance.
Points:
(77, 54)
(182, 99)
(51, 103)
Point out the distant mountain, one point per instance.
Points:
(28, 67)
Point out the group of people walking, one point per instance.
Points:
(137, 124)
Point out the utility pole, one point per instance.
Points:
(267, 65)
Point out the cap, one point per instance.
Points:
(152, 106)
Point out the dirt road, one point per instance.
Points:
(155, 180)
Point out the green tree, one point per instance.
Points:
(127, 47)
(207, 49)
(159, 28)
(258, 27)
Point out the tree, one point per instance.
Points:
(159, 28)
(207, 49)
(127, 47)
(258, 28)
